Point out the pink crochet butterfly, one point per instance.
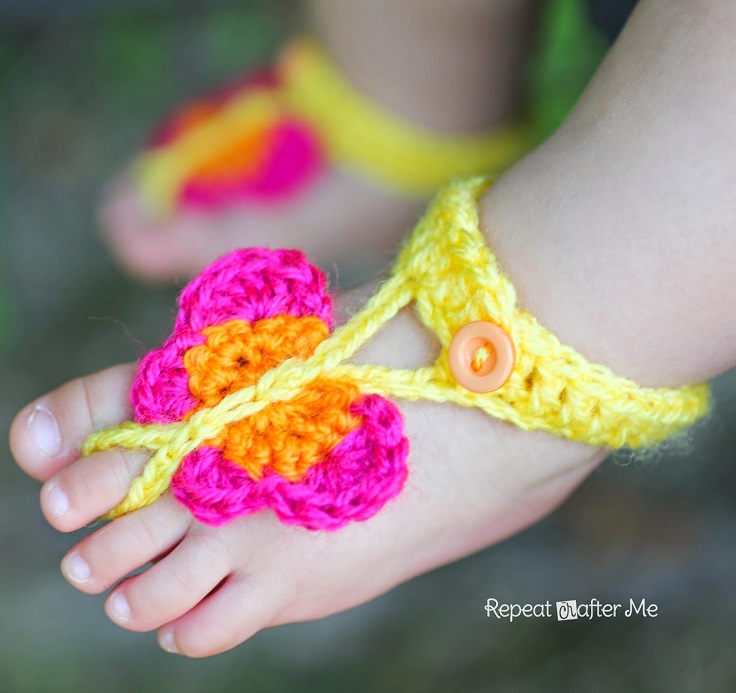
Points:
(327, 457)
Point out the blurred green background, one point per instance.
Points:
(80, 83)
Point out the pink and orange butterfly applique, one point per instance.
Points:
(328, 456)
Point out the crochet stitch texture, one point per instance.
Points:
(250, 353)
(320, 458)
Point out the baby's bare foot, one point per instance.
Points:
(272, 176)
(340, 218)
(472, 481)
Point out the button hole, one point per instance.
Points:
(480, 356)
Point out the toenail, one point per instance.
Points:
(119, 607)
(56, 501)
(75, 568)
(45, 431)
(166, 640)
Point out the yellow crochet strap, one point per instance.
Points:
(456, 279)
(362, 136)
(453, 278)
(356, 134)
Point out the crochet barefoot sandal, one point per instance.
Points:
(252, 403)
(269, 137)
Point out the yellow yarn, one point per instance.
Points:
(162, 172)
(356, 133)
(360, 135)
(449, 273)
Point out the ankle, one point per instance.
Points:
(539, 469)
(452, 69)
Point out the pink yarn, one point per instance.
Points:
(293, 160)
(365, 470)
(160, 390)
(252, 284)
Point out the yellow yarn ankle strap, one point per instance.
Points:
(367, 138)
(453, 279)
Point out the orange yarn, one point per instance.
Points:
(237, 353)
(287, 437)
(244, 154)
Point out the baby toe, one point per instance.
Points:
(125, 545)
(47, 434)
(172, 587)
(233, 613)
(89, 487)
(153, 248)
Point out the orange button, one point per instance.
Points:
(482, 356)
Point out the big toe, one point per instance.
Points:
(46, 435)
(156, 248)
(133, 235)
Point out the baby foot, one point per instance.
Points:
(180, 244)
(290, 158)
(210, 588)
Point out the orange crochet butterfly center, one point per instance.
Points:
(287, 437)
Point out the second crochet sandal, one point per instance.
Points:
(268, 138)
(252, 403)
